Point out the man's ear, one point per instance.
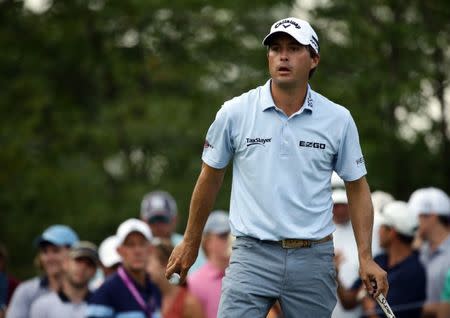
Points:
(315, 61)
(120, 250)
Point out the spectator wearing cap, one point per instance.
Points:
(53, 246)
(177, 301)
(432, 205)
(128, 292)
(79, 267)
(379, 201)
(346, 250)
(206, 283)
(159, 210)
(406, 274)
(109, 257)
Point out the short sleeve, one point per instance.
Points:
(350, 163)
(218, 147)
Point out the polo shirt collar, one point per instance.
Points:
(444, 246)
(43, 282)
(65, 299)
(267, 99)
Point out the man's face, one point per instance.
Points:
(385, 235)
(51, 258)
(79, 271)
(426, 225)
(289, 61)
(162, 227)
(217, 246)
(135, 251)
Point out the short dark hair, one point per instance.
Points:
(444, 220)
(313, 54)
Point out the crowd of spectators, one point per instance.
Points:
(125, 276)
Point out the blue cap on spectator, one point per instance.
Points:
(59, 235)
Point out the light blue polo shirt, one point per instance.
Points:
(282, 165)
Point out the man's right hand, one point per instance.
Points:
(181, 259)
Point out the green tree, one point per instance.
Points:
(103, 101)
(386, 61)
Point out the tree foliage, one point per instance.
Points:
(104, 101)
(387, 61)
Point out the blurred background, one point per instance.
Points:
(103, 101)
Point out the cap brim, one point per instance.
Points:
(382, 220)
(87, 255)
(269, 36)
(159, 218)
(41, 241)
(218, 231)
(110, 262)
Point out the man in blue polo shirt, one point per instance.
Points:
(128, 292)
(285, 140)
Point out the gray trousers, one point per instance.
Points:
(261, 272)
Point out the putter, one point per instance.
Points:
(381, 300)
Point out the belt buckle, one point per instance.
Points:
(295, 243)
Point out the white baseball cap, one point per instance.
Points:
(380, 199)
(339, 196)
(397, 215)
(107, 251)
(130, 226)
(300, 30)
(429, 201)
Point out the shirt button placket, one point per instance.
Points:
(284, 139)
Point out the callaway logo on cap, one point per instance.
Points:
(300, 30)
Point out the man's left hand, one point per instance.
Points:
(374, 278)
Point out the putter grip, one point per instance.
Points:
(381, 300)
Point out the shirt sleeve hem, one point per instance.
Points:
(355, 176)
(214, 164)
